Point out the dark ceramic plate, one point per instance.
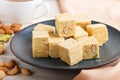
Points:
(22, 49)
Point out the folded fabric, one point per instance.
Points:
(91, 74)
(104, 73)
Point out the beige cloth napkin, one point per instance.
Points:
(103, 73)
(107, 11)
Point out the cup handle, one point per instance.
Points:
(46, 9)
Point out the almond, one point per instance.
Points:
(9, 31)
(2, 64)
(26, 72)
(1, 48)
(10, 64)
(2, 31)
(2, 74)
(4, 69)
(15, 29)
(14, 71)
(16, 25)
(1, 25)
(6, 27)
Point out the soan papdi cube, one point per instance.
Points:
(99, 31)
(90, 47)
(70, 51)
(40, 44)
(53, 45)
(79, 32)
(50, 29)
(82, 20)
(65, 25)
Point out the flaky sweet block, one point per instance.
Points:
(40, 44)
(50, 29)
(65, 25)
(79, 32)
(90, 47)
(99, 31)
(70, 51)
(53, 45)
(82, 20)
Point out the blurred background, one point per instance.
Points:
(106, 11)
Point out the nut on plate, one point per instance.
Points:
(26, 72)
(10, 64)
(14, 71)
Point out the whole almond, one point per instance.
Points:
(15, 29)
(2, 31)
(6, 27)
(1, 49)
(2, 75)
(1, 25)
(9, 31)
(16, 25)
(10, 64)
(4, 69)
(14, 71)
(26, 72)
(2, 64)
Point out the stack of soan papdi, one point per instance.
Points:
(44, 41)
(76, 38)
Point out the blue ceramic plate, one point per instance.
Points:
(21, 46)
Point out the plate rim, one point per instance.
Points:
(40, 66)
